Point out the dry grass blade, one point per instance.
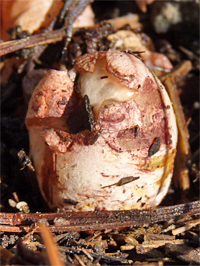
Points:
(5, 256)
(143, 4)
(181, 175)
(51, 248)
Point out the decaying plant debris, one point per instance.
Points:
(162, 236)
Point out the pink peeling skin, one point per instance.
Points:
(125, 160)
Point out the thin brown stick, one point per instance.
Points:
(31, 41)
(97, 220)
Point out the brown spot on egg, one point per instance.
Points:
(155, 146)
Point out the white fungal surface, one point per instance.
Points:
(125, 159)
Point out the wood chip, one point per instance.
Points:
(186, 227)
(127, 247)
(148, 245)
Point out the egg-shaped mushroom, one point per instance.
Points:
(105, 140)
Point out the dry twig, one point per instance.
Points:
(83, 221)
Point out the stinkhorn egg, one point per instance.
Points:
(104, 139)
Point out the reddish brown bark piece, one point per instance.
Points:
(83, 221)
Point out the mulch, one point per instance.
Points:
(166, 235)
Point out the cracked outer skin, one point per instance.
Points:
(81, 172)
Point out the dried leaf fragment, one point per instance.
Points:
(29, 15)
